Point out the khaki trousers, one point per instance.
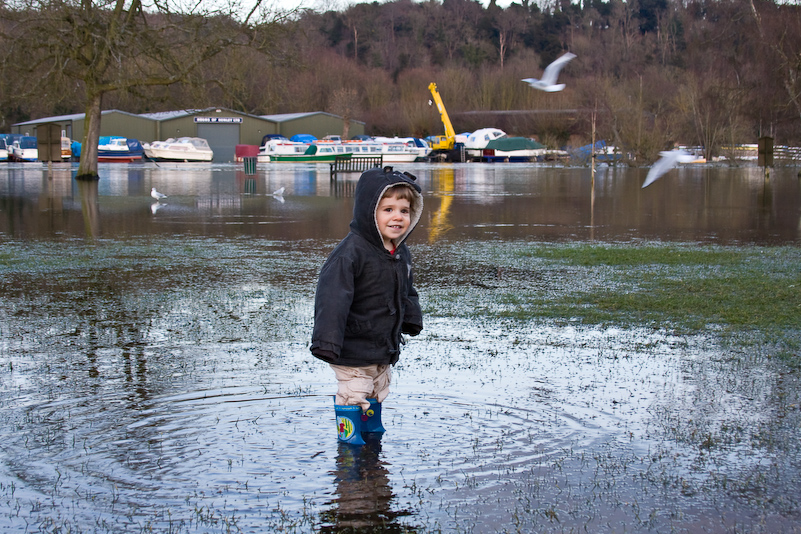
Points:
(357, 384)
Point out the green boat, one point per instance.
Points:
(313, 154)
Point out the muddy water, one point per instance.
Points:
(156, 377)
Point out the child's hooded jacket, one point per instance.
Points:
(365, 297)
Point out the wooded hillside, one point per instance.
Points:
(651, 72)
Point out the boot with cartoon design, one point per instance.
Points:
(371, 419)
(349, 424)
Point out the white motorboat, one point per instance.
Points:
(403, 149)
(25, 148)
(492, 144)
(181, 149)
(477, 141)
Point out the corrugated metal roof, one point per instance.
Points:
(72, 117)
(166, 115)
(281, 117)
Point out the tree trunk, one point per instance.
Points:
(87, 170)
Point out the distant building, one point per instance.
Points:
(222, 128)
(316, 123)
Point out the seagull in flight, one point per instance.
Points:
(669, 159)
(155, 194)
(548, 81)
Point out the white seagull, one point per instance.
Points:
(669, 159)
(548, 81)
(155, 194)
(278, 194)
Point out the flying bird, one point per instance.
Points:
(548, 81)
(669, 159)
(155, 194)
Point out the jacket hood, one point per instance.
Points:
(371, 187)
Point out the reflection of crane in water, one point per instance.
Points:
(439, 222)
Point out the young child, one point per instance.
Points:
(365, 299)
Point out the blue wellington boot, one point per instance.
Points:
(349, 424)
(371, 419)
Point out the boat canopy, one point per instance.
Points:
(508, 144)
(303, 138)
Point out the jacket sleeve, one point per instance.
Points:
(332, 304)
(413, 315)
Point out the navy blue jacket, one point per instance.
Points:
(365, 295)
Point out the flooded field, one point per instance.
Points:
(583, 367)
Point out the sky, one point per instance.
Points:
(340, 5)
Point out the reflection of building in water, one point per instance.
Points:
(363, 495)
(55, 186)
(444, 182)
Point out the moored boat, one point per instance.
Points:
(492, 144)
(392, 149)
(116, 149)
(276, 147)
(513, 149)
(403, 149)
(314, 153)
(25, 148)
(66, 148)
(184, 149)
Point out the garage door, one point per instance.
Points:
(222, 139)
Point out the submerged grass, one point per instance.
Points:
(688, 289)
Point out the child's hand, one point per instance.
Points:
(325, 355)
(411, 329)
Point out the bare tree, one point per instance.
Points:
(103, 46)
(345, 103)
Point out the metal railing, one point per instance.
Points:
(354, 164)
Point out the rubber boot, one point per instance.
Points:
(371, 419)
(349, 424)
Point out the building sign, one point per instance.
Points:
(218, 120)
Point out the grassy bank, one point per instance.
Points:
(685, 289)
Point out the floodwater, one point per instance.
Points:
(156, 374)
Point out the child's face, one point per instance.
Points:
(393, 216)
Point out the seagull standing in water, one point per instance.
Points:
(669, 159)
(548, 81)
(278, 194)
(155, 194)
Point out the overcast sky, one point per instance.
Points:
(340, 5)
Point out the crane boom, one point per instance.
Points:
(445, 142)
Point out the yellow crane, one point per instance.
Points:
(442, 142)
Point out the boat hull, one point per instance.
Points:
(25, 155)
(179, 160)
(323, 158)
(118, 158)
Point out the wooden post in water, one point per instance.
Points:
(592, 184)
(765, 154)
(592, 152)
